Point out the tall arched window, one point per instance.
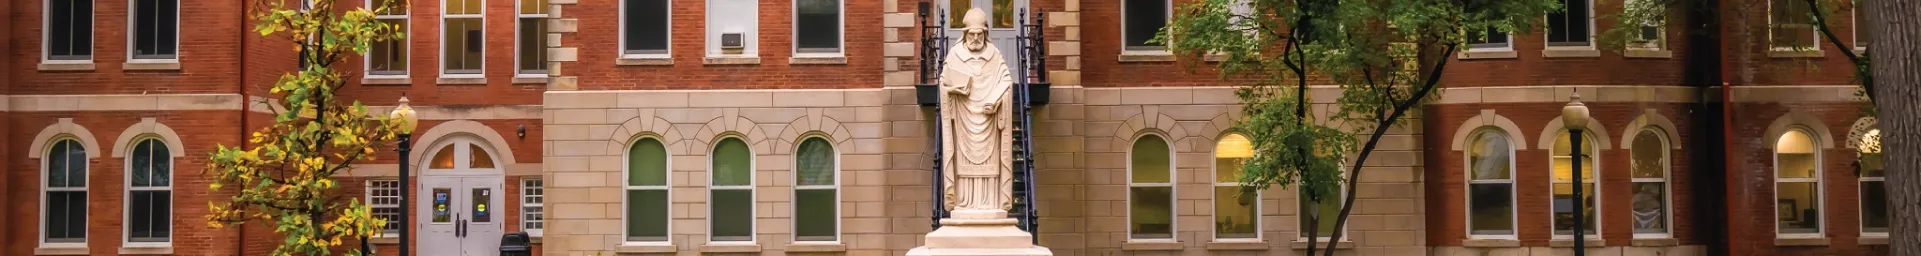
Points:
(1563, 179)
(1874, 189)
(816, 202)
(1150, 189)
(66, 198)
(731, 216)
(1797, 185)
(1236, 215)
(150, 196)
(647, 205)
(1650, 188)
(1490, 185)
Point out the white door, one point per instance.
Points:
(463, 216)
(1003, 23)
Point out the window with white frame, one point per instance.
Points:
(1323, 214)
(66, 192)
(817, 26)
(69, 30)
(1651, 34)
(383, 197)
(155, 25)
(1564, 202)
(1572, 25)
(1150, 189)
(150, 194)
(644, 27)
(1790, 26)
(389, 58)
(816, 201)
(1649, 158)
(462, 39)
(1141, 20)
(1489, 39)
(533, 198)
(1874, 185)
(732, 200)
(532, 37)
(1237, 213)
(647, 207)
(1797, 185)
(1490, 188)
(1861, 25)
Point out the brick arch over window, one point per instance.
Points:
(1797, 119)
(1488, 118)
(1649, 118)
(815, 126)
(502, 152)
(1554, 127)
(145, 127)
(633, 129)
(65, 127)
(1859, 129)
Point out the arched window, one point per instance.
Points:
(1650, 188)
(66, 192)
(647, 205)
(1150, 189)
(1874, 189)
(732, 200)
(1236, 215)
(1797, 185)
(816, 202)
(462, 154)
(1563, 180)
(150, 194)
(1490, 185)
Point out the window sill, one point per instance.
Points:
(1878, 239)
(384, 240)
(461, 81)
(816, 247)
(60, 250)
(1648, 53)
(378, 80)
(1302, 244)
(530, 79)
(1237, 245)
(730, 248)
(1794, 53)
(1654, 242)
(161, 250)
(1580, 52)
(1486, 54)
(644, 61)
(1146, 56)
(66, 66)
(730, 60)
(1860, 50)
(817, 60)
(1569, 243)
(1491, 243)
(151, 65)
(1812, 241)
(1151, 246)
(646, 248)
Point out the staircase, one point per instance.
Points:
(1030, 87)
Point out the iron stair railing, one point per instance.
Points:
(933, 36)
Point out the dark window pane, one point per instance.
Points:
(1564, 207)
(646, 26)
(1570, 26)
(817, 25)
(533, 46)
(481, 211)
(814, 215)
(70, 28)
(149, 215)
(66, 216)
(1650, 207)
(732, 216)
(57, 165)
(647, 163)
(1144, 18)
(142, 161)
(647, 215)
(816, 162)
(1490, 209)
(1151, 213)
(443, 198)
(732, 162)
(76, 164)
(162, 164)
(463, 46)
(1874, 207)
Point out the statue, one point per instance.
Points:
(976, 90)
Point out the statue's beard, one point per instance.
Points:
(975, 40)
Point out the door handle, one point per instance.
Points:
(460, 227)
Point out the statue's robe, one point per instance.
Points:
(977, 144)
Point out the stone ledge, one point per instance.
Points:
(61, 250)
(67, 66)
(1491, 243)
(730, 248)
(1146, 56)
(1811, 241)
(1794, 53)
(816, 247)
(371, 80)
(646, 248)
(730, 60)
(1647, 53)
(461, 81)
(1873, 240)
(156, 250)
(530, 80)
(155, 65)
(1553, 52)
(1321, 244)
(1488, 54)
(1654, 242)
(817, 60)
(644, 61)
(1250, 245)
(1590, 242)
(1151, 246)
(385, 240)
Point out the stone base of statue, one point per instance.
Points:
(979, 232)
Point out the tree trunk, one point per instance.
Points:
(1896, 64)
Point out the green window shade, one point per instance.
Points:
(1150, 160)
(646, 215)
(647, 163)
(732, 215)
(732, 163)
(816, 162)
(814, 215)
(1234, 215)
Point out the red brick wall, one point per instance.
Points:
(1751, 199)
(599, 44)
(1745, 24)
(208, 33)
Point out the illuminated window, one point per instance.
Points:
(462, 40)
(1650, 214)
(532, 38)
(1797, 185)
(1236, 214)
(1563, 175)
(389, 58)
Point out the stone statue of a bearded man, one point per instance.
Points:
(978, 136)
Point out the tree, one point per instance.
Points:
(1897, 41)
(286, 178)
(1385, 56)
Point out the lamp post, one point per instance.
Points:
(1575, 117)
(405, 115)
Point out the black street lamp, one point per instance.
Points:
(405, 115)
(1575, 117)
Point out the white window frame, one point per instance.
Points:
(1814, 41)
(46, 34)
(1854, 24)
(840, 48)
(1167, 16)
(518, 72)
(1862, 209)
(126, 211)
(371, 195)
(626, 174)
(621, 49)
(1173, 225)
(795, 197)
(133, 21)
(1667, 187)
(1468, 200)
(406, 19)
(753, 205)
(1340, 195)
(44, 190)
(1215, 231)
(1549, 42)
(528, 187)
(1659, 43)
(1505, 47)
(1593, 143)
(442, 33)
(1820, 195)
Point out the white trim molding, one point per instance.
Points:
(67, 127)
(148, 125)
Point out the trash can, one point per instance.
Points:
(515, 244)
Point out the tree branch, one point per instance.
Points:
(1354, 173)
(1821, 23)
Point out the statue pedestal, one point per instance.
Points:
(979, 232)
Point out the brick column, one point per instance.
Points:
(558, 27)
(1065, 45)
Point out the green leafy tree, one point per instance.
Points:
(1384, 56)
(286, 178)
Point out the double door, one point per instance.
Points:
(1003, 23)
(463, 216)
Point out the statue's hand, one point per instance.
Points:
(991, 109)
